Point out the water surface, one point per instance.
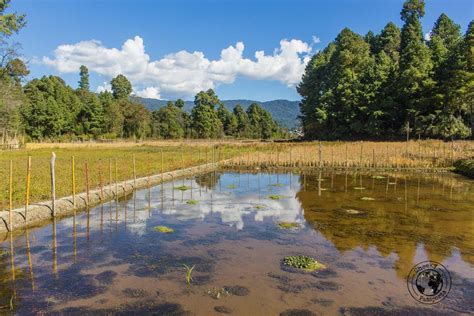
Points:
(369, 231)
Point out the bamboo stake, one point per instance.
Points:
(101, 181)
(10, 196)
(86, 170)
(27, 193)
(53, 183)
(73, 180)
(134, 173)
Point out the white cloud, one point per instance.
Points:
(104, 87)
(316, 40)
(149, 92)
(182, 73)
(428, 36)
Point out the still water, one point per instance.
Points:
(369, 230)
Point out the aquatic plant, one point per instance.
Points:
(182, 188)
(367, 198)
(259, 207)
(275, 197)
(188, 273)
(216, 293)
(277, 185)
(231, 186)
(163, 229)
(303, 262)
(288, 225)
(192, 202)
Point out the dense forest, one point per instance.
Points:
(396, 82)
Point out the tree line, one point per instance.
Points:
(54, 110)
(383, 86)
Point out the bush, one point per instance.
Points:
(465, 167)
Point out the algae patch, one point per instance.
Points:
(182, 188)
(303, 262)
(288, 225)
(192, 202)
(163, 229)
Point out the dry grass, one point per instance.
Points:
(414, 154)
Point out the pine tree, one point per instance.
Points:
(415, 82)
(84, 78)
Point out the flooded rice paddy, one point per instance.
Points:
(368, 230)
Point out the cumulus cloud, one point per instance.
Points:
(428, 36)
(181, 73)
(149, 92)
(316, 40)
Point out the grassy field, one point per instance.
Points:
(177, 155)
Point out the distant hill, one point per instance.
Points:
(284, 112)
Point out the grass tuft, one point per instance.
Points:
(163, 229)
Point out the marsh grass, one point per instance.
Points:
(188, 273)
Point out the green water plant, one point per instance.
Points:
(259, 207)
(288, 225)
(192, 202)
(231, 186)
(277, 185)
(163, 229)
(188, 273)
(275, 197)
(303, 262)
(182, 188)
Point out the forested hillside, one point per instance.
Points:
(284, 112)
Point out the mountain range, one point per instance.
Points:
(284, 112)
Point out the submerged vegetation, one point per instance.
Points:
(303, 262)
(188, 274)
(192, 202)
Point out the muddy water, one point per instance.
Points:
(369, 231)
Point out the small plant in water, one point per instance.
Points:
(231, 186)
(192, 202)
(303, 263)
(182, 188)
(277, 185)
(163, 229)
(275, 197)
(259, 207)
(188, 275)
(288, 225)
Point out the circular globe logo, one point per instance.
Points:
(429, 282)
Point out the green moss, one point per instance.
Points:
(192, 202)
(182, 188)
(303, 262)
(163, 229)
(465, 167)
(288, 225)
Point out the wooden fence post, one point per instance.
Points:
(53, 183)
(86, 170)
(27, 193)
(134, 173)
(73, 179)
(10, 197)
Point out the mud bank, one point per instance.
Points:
(42, 211)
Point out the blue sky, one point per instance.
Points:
(159, 28)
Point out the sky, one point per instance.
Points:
(174, 48)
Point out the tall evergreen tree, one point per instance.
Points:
(415, 80)
(84, 78)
